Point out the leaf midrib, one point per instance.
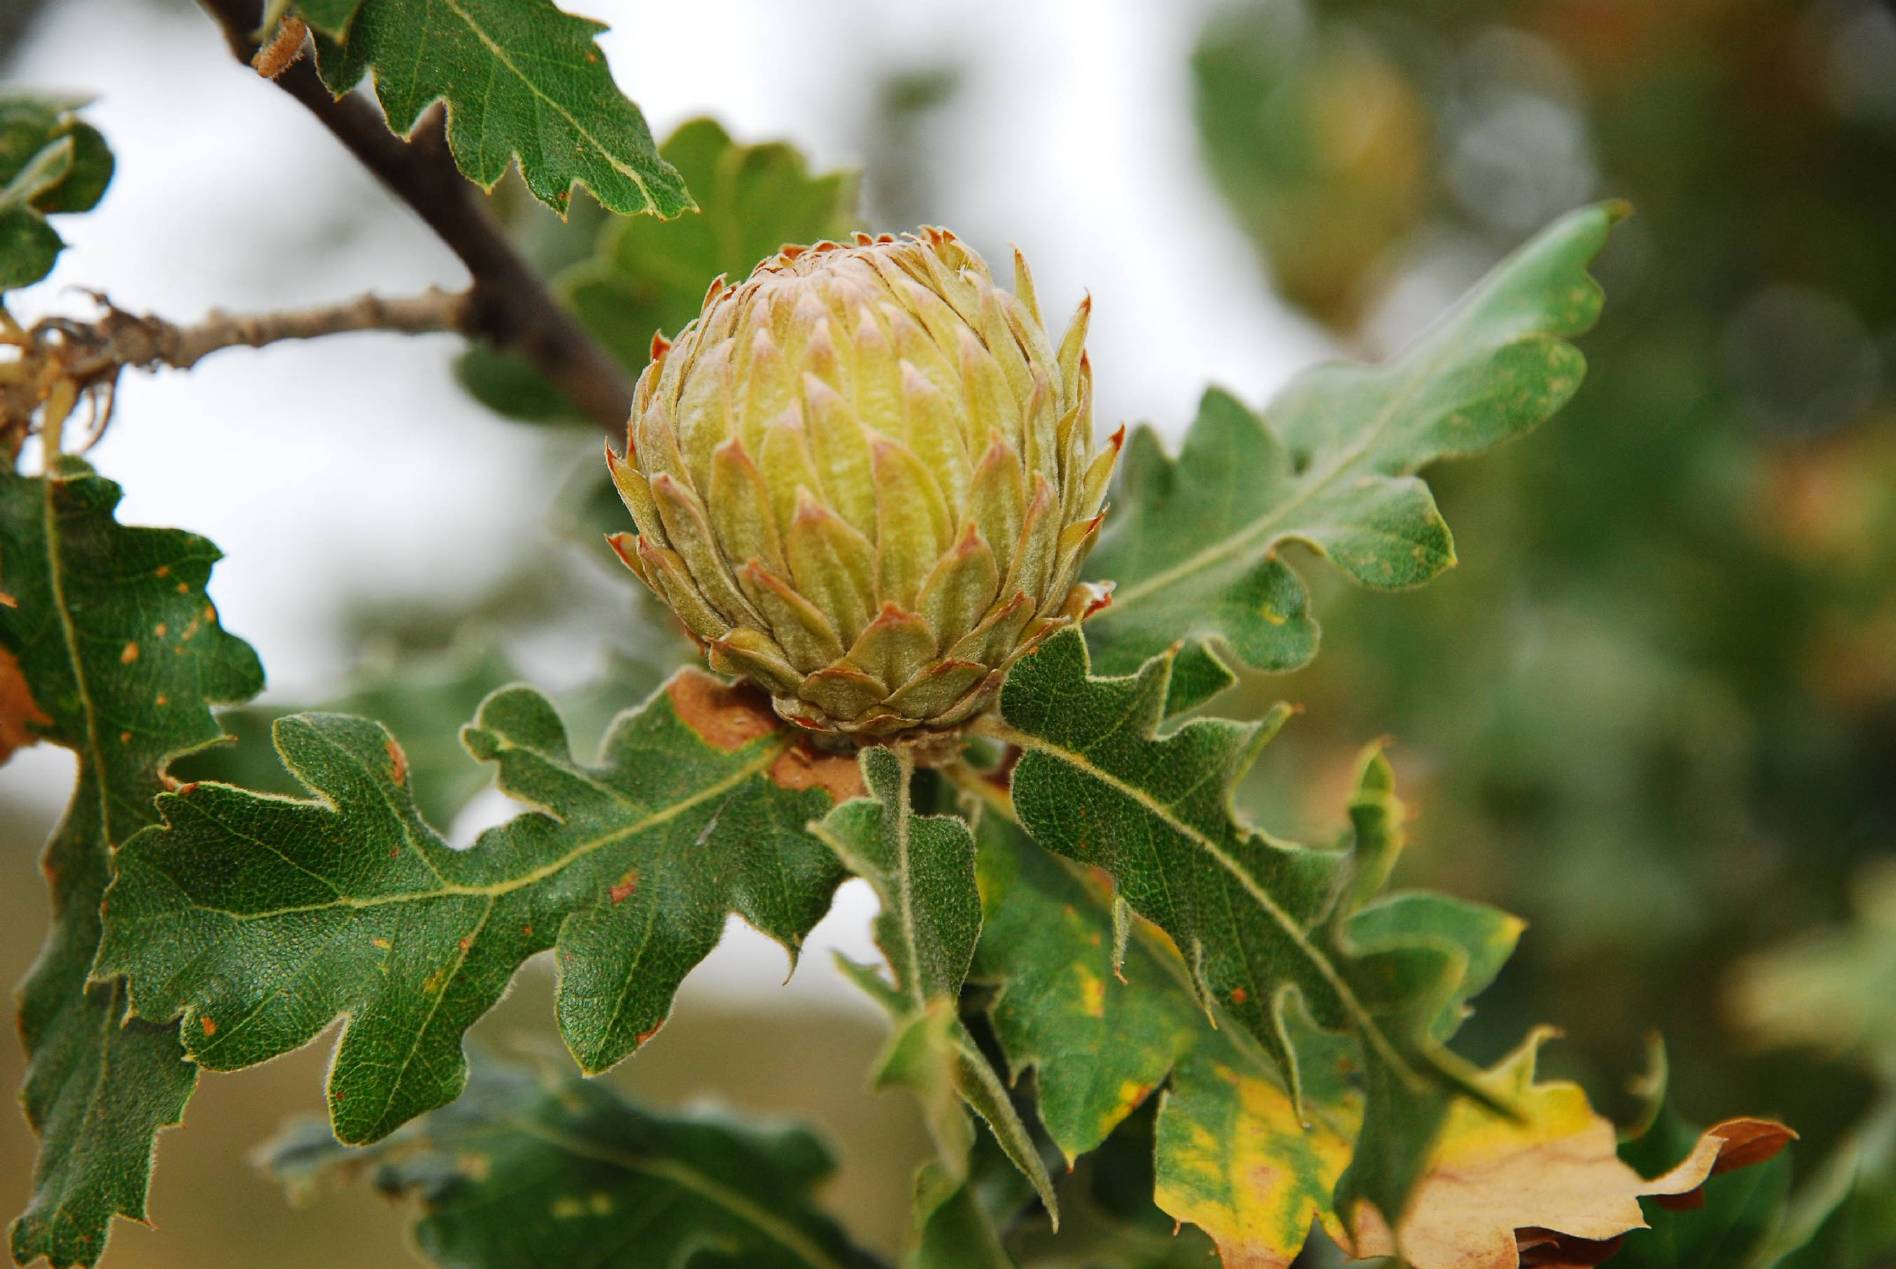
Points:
(689, 1178)
(1364, 1022)
(499, 54)
(1270, 520)
(765, 757)
(94, 753)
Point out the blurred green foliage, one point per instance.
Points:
(1655, 711)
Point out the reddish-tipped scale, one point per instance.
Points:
(865, 479)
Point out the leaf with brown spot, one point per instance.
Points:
(726, 716)
(20, 717)
(264, 910)
(99, 1085)
(802, 767)
(397, 761)
(1556, 1173)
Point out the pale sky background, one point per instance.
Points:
(354, 466)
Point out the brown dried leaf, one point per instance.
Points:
(1548, 1189)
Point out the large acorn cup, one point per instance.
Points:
(865, 480)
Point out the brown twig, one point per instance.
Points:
(127, 339)
(508, 304)
(60, 361)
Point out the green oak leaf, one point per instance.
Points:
(645, 276)
(922, 869)
(110, 631)
(521, 80)
(1231, 1154)
(1194, 543)
(1260, 922)
(50, 163)
(258, 919)
(421, 699)
(1099, 1038)
(526, 1169)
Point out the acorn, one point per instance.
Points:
(865, 480)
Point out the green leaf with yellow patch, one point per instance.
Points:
(258, 919)
(1099, 1038)
(527, 1169)
(1194, 543)
(113, 650)
(521, 80)
(1232, 1155)
(1238, 1160)
(1260, 922)
(922, 868)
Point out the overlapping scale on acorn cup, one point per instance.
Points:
(865, 479)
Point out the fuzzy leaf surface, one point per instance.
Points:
(1232, 1154)
(525, 1170)
(50, 162)
(259, 919)
(645, 275)
(922, 868)
(521, 80)
(1099, 1041)
(1194, 543)
(111, 632)
(1260, 922)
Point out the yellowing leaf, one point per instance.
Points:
(1556, 1170)
(1237, 1163)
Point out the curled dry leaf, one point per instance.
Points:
(1548, 1189)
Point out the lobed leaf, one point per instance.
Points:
(422, 699)
(529, 1170)
(1494, 1187)
(1233, 1156)
(922, 869)
(1099, 1036)
(259, 919)
(521, 81)
(1194, 543)
(113, 650)
(50, 163)
(1721, 1204)
(1238, 1158)
(1260, 922)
